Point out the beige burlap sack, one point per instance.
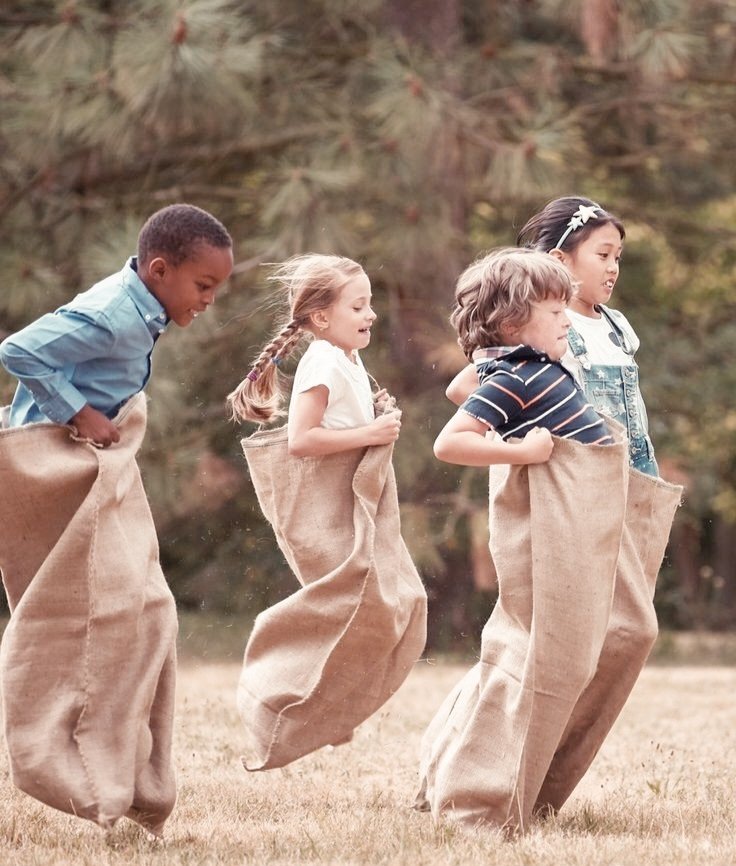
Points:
(321, 661)
(87, 663)
(577, 543)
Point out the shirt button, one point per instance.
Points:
(162, 316)
(148, 318)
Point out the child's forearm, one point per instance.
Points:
(54, 394)
(470, 449)
(38, 355)
(319, 441)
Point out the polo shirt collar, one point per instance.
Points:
(492, 353)
(151, 310)
(512, 353)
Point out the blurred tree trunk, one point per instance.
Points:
(434, 27)
(684, 552)
(724, 568)
(432, 23)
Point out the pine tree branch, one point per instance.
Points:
(245, 147)
(619, 71)
(16, 19)
(48, 19)
(146, 162)
(183, 192)
(85, 181)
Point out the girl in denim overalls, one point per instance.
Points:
(588, 240)
(614, 388)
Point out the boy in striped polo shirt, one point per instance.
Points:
(510, 315)
(576, 543)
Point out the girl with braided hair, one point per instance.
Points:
(331, 408)
(321, 661)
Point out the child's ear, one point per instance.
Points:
(320, 320)
(559, 255)
(508, 331)
(157, 267)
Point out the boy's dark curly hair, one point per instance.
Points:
(176, 232)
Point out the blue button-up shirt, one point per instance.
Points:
(96, 349)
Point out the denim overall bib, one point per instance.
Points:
(614, 392)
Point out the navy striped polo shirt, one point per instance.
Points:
(521, 388)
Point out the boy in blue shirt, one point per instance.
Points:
(80, 364)
(88, 661)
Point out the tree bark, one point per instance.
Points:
(432, 23)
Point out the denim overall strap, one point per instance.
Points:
(618, 330)
(614, 392)
(577, 347)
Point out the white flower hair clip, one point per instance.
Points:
(579, 218)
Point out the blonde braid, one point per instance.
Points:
(313, 282)
(258, 397)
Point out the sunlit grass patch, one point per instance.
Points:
(659, 792)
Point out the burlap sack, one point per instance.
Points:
(321, 661)
(577, 543)
(87, 663)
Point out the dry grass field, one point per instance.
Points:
(660, 792)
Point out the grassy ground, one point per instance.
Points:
(660, 791)
(219, 637)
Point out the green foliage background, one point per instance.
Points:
(410, 136)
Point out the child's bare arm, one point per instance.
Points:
(463, 385)
(463, 441)
(308, 439)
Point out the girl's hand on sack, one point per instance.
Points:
(95, 427)
(384, 430)
(383, 401)
(537, 445)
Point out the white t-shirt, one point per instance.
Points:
(350, 402)
(601, 340)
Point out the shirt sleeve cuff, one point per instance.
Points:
(63, 406)
(477, 417)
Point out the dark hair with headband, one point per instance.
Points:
(564, 223)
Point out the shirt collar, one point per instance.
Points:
(151, 310)
(492, 353)
(514, 353)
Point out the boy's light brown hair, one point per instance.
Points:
(495, 294)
